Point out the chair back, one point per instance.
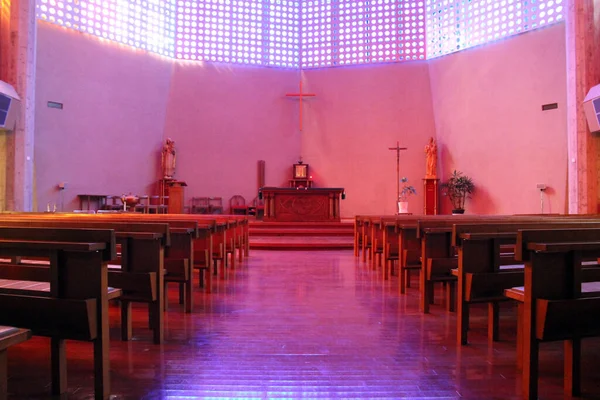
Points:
(237, 201)
(199, 205)
(215, 205)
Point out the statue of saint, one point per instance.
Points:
(431, 160)
(168, 159)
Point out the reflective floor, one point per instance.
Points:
(303, 325)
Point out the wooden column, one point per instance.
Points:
(582, 43)
(17, 52)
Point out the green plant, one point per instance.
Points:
(458, 187)
(407, 190)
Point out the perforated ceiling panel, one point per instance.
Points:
(307, 34)
(457, 25)
(148, 24)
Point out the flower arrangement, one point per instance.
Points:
(406, 191)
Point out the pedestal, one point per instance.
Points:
(431, 200)
(173, 195)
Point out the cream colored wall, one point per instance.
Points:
(490, 125)
(121, 103)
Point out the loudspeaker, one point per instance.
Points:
(591, 106)
(10, 106)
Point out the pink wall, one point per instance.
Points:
(360, 112)
(224, 119)
(483, 104)
(490, 125)
(107, 137)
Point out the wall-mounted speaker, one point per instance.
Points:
(10, 106)
(591, 106)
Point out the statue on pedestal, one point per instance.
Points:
(168, 159)
(431, 159)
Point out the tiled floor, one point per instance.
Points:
(290, 325)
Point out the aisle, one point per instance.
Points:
(313, 325)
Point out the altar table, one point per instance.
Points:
(302, 204)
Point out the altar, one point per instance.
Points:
(302, 204)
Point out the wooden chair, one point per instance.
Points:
(157, 204)
(257, 208)
(143, 205)
(113, 203)
(237, 205)
(215, 205)
(199, 205)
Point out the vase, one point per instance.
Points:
(403, 207)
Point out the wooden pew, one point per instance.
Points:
(409, 250)
(366, 239)
(190, 240)
(438, 256)
(9, 336)
(358, 227)
(178, 254)
(218, 242)
(227, 233)
(141, 273)
(486, 265)
(391, 250)
(76, 305)
(556, 304)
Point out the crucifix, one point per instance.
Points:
(300, 96)
(398, 149)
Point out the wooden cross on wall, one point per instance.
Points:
(398, 149)
(300, 96)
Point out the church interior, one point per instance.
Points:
(258, 199)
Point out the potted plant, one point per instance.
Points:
(458, 187)
(406, 191)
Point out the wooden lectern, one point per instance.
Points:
(172, 191)
(431, 190)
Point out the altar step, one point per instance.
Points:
(301, 235)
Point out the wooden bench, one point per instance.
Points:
(486, 266)
(190, 245)
(140, 273)
(556, 305)
(358, 234)
(76, 306)
(439, 257)
(216, 237)
(9, 336)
